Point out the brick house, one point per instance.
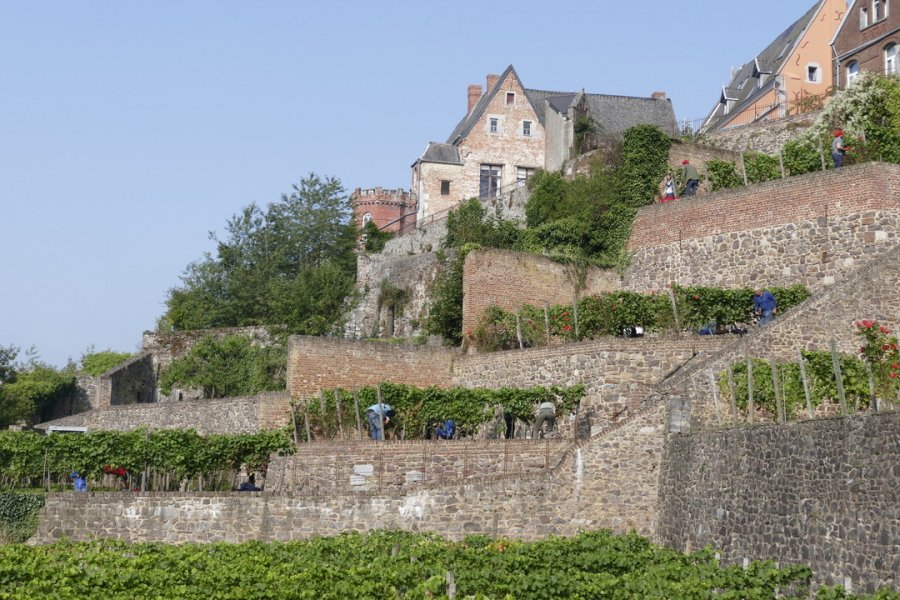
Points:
(510, 131)
(868, 39)
(792, 75)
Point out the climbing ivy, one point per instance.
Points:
(18, 515)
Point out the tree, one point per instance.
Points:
(270, 264)
(31, 392)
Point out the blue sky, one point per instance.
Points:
(129, 130)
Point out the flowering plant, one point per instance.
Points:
(879, 350)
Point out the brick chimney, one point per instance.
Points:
(491, 81)
(474, 96)
(658, 95)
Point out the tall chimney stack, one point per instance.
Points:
(491, 81)
(474, 97)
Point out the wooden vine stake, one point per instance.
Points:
(873, 401)
(337, 409)
(380, 411)
(359, 426)
(519, 329)
(750, 408)
(805, 378)
(322, 413)
(732, 391)
(776, 389)
(547, 322)
(838, 376)
(305, 403)
(294, 423)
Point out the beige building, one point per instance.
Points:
(510, 131)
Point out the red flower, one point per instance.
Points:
(886, 347)
(884, 330)
(567, 328)
(895, 366)
(696, 297)
(893, 376)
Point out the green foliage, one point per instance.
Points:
(232, 366)
(33, 393)
(375, 238)
(292, 264)
(548, 197)
(446, 299)
(802, 156)
(390, 295)
(880, 353)
(416, 407)
(387, 564)
(607, 314)
(97, 363)
(645, 154)
(183, 454)
(761, 167)
(722, 175)
(7, 363)
(470, 223)
(18, 516)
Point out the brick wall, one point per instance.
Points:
(510, 279)
(387, 207)
(811, 229)
(616, 372)
(362, 466)
(316, 363)
(822, 493)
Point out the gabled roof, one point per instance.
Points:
(742, 88)
(469, 121)
(614, 114)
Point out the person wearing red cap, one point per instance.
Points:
(691, 177)
(838, 149)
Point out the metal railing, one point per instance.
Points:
(800, 104)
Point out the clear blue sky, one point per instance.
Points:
(129, 130)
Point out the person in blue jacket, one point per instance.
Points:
(764, 306)
(446, 430)
(78, 482)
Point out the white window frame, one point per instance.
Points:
(891, 59)
(367, 218)
(852, 71)
(878, 7)
(493, 125)
(523, 174)
(863, 18)
(526, 128)
(818, 72)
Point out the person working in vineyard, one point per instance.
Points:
(691, 177)
(764, 306)
(378, 415)
(546, 414)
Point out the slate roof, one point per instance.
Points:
(743, 87)
(441, 153)
(615, 114)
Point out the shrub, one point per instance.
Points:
(722, 175)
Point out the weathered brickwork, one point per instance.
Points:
(870, 293)
(390, 210)
(825, 493)
(812, 229)
(316, 363)
(617, 372)
(510, 279)
(225, 415)
(400, 467)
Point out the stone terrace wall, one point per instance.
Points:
(316, 363)
(609, 483)
(414, 274)
(617, 372)
(871, 293)
(167, 346)
(510, 279)
(227, 415)
(132, 382)
(812, 229)
(363, 466)
(824, 493)
(765, 136)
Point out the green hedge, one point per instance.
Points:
(19, 515)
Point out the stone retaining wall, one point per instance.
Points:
(825, 493)
(812, 229)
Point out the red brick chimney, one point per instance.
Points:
(474, 96)
(491, 81)
(658, 95)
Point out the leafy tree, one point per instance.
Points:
(97, 363)
(375, 239)
(7, 369)
(33, 393)
(233, 366)
(267, 257)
